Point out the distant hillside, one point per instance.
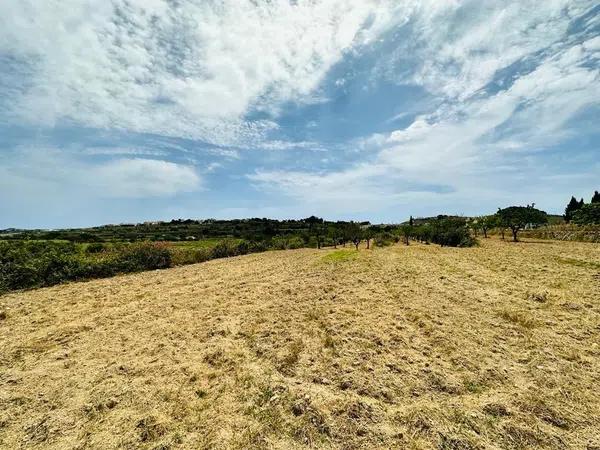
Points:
(181, 230)
(426, 220)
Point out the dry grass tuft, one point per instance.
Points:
(540, 297)
(522, 319)
(414, 347)
(149, 429)
(496, 410)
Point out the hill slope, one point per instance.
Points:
(416, 347)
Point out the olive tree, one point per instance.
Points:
(407, 232)
(486, 223)
(519, 217)
(355, 233)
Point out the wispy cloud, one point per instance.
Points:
(473, 130)
(336, 107)
(53, 170)
(187, 68)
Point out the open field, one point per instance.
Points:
(496, 346)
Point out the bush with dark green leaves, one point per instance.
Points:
(422, 233)
(384, 239)
(279, 243)
(144, 256)
(95, 247)
(230, 247)
(295, 242)
(26, 264)
(451, 232)
(588, 214)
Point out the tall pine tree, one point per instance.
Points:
(596, 197)
(573, 206)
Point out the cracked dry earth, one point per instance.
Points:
(398, 347)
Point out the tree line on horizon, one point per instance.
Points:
(41, 258)
(513, 218)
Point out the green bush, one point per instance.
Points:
(451, 232)
(243, 248)
(279, 243)
(201, 255)
(14, 276)
(28, 264)
(58, 268)
(258, 246)
(422, 233)
(144, 256)
(295, 242)
(588, 214)
(25, 264)
(383, 239)
(289, 242)
(225, 249)
(96, 247)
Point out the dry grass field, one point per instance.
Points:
(402, 347)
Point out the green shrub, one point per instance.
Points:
(58, 268)
(451, 232)
(14, 276)
(423, 233)
(278, 243)
(200, 255)
(25, 264)
(312, 242)
(28, 264)
(588, 214)
(383, 239)
(100, 269)
(243, 248)
(258, 246)
(144, 256)
(224, 249)
(295, 242)
(96, 247)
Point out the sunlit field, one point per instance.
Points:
(495, 346)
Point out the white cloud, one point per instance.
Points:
(191, 68)
(121, 151)
(354, 190)
(465, 143)
(458, 46)
(50, 170)
(143, 178)
(503, 78)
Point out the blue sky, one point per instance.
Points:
(134, 110)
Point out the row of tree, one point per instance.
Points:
(443, 230)
(514, 218)
(462, 232)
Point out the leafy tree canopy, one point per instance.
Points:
(588, 215)
(518, 217)
(572, 207)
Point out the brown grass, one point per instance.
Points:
(401, 347)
